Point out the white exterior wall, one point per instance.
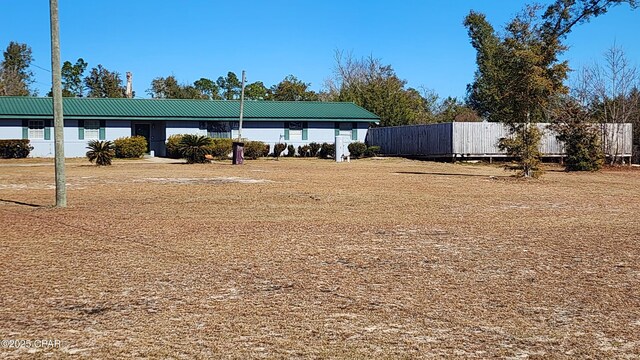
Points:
(269, 132)
(184, 127)
(317, 131)
(73, 146)
(320, 132)
(362, 131)
(11, 129)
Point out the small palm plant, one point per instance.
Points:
(101, 152)
(194, 148)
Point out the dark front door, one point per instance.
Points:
(143, 130)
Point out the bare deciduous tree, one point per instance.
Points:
(610, 89)
(376, 87)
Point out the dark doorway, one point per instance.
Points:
(143, 130)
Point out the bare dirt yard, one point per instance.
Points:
(377, 258)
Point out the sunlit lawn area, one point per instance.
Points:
(377, 258)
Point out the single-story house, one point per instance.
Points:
(292, 122)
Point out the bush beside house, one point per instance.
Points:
(193, 148)
(15, 149)
(304, 151)
(291, 151)
(221, 148)
(100, 152)
(357, 149)
(173, 142)
(278, 149)
(130, 147)
(255, 149)
(327, 151)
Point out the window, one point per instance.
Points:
(36, 129)
(345, 129)
(221, 129)
(92, 129)
(296, 130)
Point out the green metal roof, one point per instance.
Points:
(172, 109)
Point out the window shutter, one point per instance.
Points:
(25, 129)
(286, 130)
(80, 129)
(103, 131)
(305, 131)
(336, 125)
(354, 131)
(47, 129)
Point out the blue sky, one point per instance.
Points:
(423, 40)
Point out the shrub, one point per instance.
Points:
(524, 145)
(101, 152)
(357, 149)
(194, 148)
(314, 148)
(130, 147)
(255, 149)
(172, 146)
(278, 149)
(582, 145)
(291, 151)
(327, 151)
(15, 149)
(372, 151)
(304, 151)
(221, 148)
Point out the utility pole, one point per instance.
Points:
(241, 108)
(58, 119)
(238, 146)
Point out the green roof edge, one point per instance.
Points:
(189, 109)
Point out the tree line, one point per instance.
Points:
(366, 81)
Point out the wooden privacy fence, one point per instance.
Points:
(480, 140)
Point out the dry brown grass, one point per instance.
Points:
(373, 259)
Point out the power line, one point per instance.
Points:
(40, 67)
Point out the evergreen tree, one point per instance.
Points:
(257, 91)
(519, 73)
(292, 89)
(208, 88)
(15, 76)
(72, 81)
(102, 83)
(576, 128)
(230, 86)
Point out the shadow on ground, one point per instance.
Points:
(20, 203)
